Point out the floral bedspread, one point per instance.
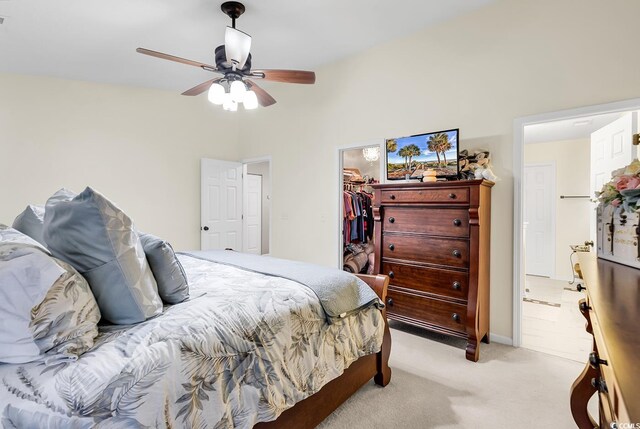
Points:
(242, 350)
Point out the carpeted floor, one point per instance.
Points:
(434, 386)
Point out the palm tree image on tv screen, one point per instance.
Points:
(412, 156)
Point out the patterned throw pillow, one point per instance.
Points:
(99, 240)
(47, 306)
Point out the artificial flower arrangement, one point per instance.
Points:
(618, 217)
(623, 189)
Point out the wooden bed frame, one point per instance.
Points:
(310, 412)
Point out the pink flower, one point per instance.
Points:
(627, 182)
(616, 202)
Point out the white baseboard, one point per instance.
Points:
(500, 339)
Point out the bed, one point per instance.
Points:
(246, 350)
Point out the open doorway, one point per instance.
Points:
(360, 167)
(257, 206)
(565, 160)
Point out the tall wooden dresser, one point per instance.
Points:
(433, 241)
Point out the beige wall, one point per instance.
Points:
(478, 72)
(573, 165)
(140, 147)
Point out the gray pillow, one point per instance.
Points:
(99, 240)
(167, 269)
(30, 222)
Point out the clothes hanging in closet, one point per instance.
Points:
(358, 217)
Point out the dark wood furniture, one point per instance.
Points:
(310, 412)
(611, 307)
(432, 240)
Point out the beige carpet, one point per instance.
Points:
(434, 386)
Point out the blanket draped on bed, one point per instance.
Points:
(244, 348)
(340, 293)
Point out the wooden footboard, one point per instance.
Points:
(309, 413)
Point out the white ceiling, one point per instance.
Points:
(570, 129)
(96, 40)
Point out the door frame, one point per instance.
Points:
(257, 160)
(339, 201)
(551, 164)
(518, 169)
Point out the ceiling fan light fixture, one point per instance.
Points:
(250, 100)
(237, 91)
(216, 94)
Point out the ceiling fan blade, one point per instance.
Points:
(176, 59)
(199, 89)
(264, 98)
(237, 45)
(288, 76)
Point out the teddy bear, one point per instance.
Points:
(475, 165)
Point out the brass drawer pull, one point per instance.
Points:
(457, 222)
(391, 274)
(455, 317)
(456, 253)
(391, 247)
(456, 285)
(392, 219)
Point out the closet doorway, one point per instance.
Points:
(360, 166)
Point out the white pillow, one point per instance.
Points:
(46, 307)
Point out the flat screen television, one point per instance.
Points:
(409, 157)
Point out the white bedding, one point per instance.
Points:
(242, 350)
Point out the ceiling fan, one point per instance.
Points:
(233, 63)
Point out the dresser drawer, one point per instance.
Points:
(453, 252)
(448, 283)
(446, 314)
(436, 221)
(441, 195)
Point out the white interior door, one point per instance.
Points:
(611, 148)
(221, 204)
(539, 214)
(252, 202)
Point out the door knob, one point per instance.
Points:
(391, 247)
(391, 274)
(456, 253)
(456, 285)
(392, 219)
(457, 222)
(206, 228)
(455, 317)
